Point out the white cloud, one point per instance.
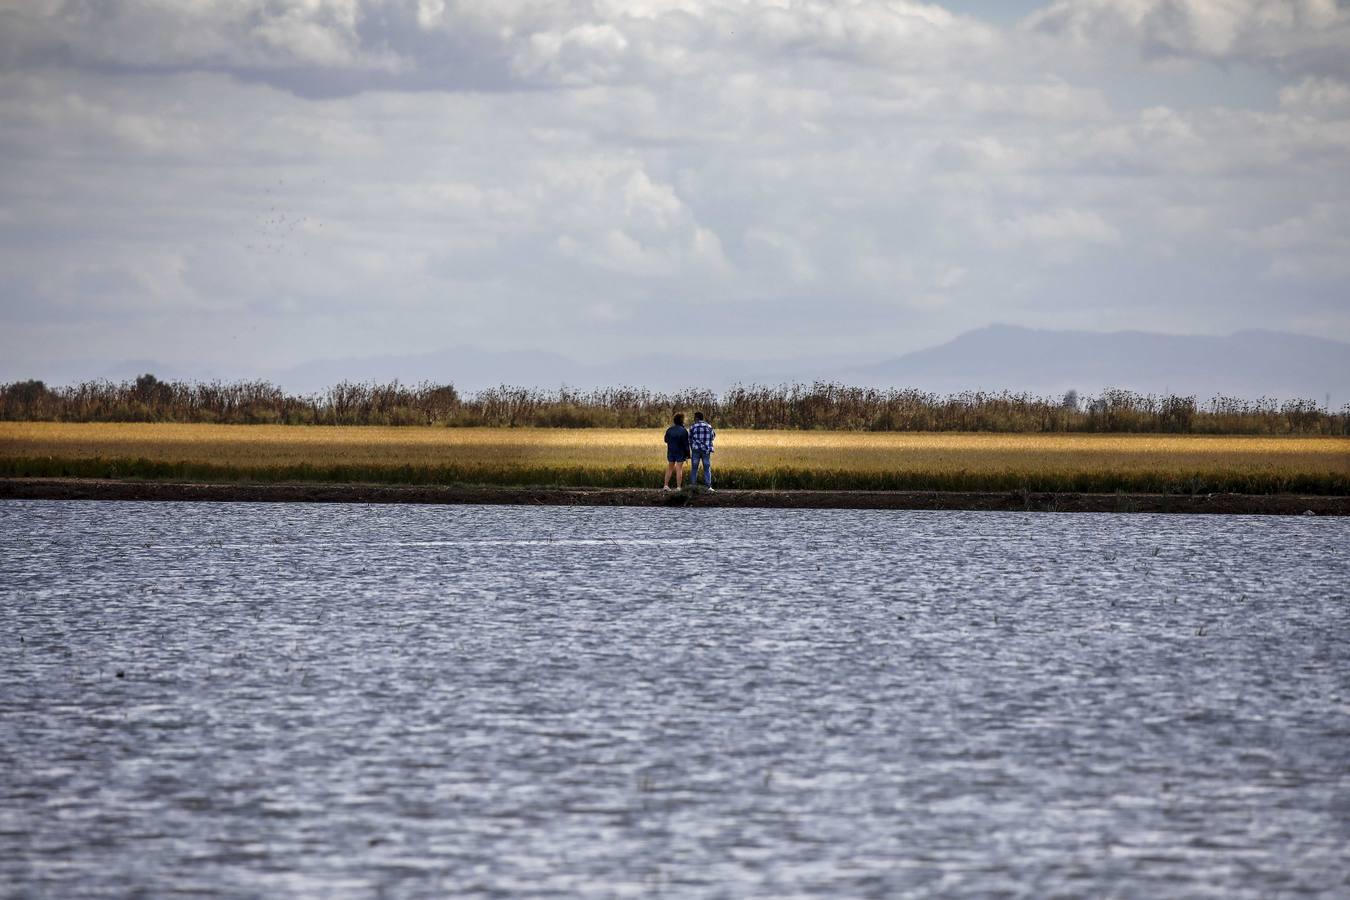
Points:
(645, 200)
(1059, 232)
(1317, 97)
(481, 43)
(582, 54)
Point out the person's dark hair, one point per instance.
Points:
(679, 418)
(698, 416)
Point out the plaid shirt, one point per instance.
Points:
(701, 436)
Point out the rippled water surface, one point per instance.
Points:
(246, 700)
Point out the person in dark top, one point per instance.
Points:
(677, 451)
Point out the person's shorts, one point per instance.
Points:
(675, 457)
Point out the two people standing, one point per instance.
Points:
(682, 443)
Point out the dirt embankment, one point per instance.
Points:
(256, 492)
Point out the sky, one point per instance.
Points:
(231, 187)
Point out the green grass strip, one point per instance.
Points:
(1105, 481)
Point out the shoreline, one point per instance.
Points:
(327, 492)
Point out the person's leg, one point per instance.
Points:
(670, 469)
(707, 469)
(679, 473)
(699, 456)
(693, 468)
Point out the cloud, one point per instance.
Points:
(170, 34)
(1315, 244)
(1290, 35)
(398, 175)
(1317, 97)
(632, 225)
(471, 44)
(1059, 234)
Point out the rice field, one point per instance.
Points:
(635, 457)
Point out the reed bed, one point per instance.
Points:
(819, 406)
(634, 458)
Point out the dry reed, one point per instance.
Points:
(805, 407)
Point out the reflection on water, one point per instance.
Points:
(242, 700)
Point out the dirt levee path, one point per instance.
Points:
(90, 489)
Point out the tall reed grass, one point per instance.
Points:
(801, 407)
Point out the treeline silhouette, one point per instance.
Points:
(797, 406)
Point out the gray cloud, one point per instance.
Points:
(329, 48)
(1296, 36)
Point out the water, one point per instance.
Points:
(357, 701)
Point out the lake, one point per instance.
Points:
(239, 700)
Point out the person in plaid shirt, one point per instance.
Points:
(701, 437)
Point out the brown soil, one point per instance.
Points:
(300, 492)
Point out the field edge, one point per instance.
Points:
(1007, 501)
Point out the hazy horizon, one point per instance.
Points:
(1251, 364)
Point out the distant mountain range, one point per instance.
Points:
(1249, 364)
(1246, 364)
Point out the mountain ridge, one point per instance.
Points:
(1250, 363)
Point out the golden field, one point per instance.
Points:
(282, 445)
(634, 457)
